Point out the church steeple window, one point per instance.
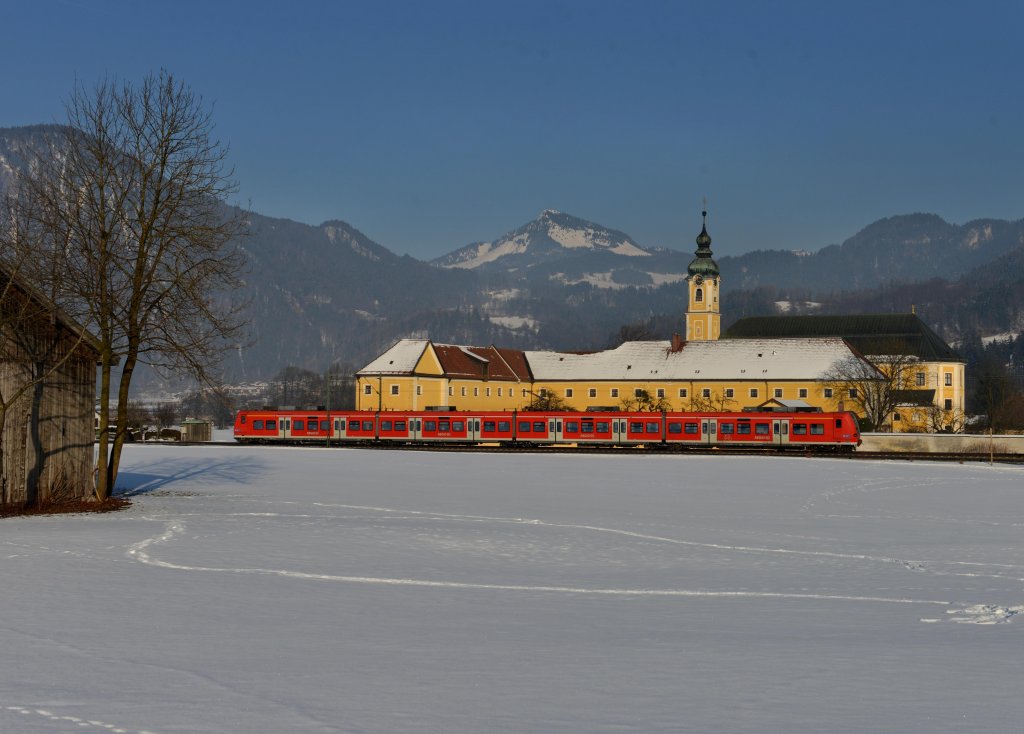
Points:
(699, 295)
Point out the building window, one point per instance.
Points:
(463, 391)
(592, 392)
(778, 392)
(525, 392)
(682, 392)
(853, 393)
(699, 295)
(919, 379)
(753, 392)
(728, 392)
(476, 392)
(568, 392)
(487, 392)
(615, 392)
(949, 379)
(895, 417)
(948, 404)
(419, 389)
(637, 392)
(451, 391)
(706, 392)
(543, 392)
(499, 392)
(394, 389)
(828, 392)
(367, 389)
(803, 392)
(661, 392)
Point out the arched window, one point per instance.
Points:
(699, 295)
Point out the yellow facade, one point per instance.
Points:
(946, 413)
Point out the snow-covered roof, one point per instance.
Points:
(401, 358)
(733, 359)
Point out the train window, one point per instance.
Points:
(367, 425)
(588, 426)
(286, 424)
(573, 427)
(839, 422)
(272, 425)
(337, 425)
(458, 426)
(504, 425)
(538, 427)
(743, 428)
(690, 428)
(353, 425)
(785, 429)
(399, 425)
(489, 426)
(776, 429)
(257, 425)
(241, 419)
(817, 429)
(675, 427)
(325, 425)
(524, 426)
(385, 425)
(799, 429)
(444, 425)
(429, 425)
(727, 429)
(762, 429)
(654, 428)
(636, 427)
(300, 425)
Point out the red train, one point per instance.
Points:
(818, 431)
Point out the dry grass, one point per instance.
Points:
(66, 507)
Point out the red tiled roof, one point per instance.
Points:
(488, 363)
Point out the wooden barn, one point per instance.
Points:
(47, 400)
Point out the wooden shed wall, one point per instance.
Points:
(49, 434)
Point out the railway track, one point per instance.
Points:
(908, 456)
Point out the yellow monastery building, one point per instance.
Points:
(794, 360)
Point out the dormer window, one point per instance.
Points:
(699, 295)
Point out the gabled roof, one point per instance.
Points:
(456, 360)
(481, 362)
(738, 359)
(401, 358)
(870, 334)
(87, 338)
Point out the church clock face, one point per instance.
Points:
(699, 279)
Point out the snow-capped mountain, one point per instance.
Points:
(551, 236)
(561, 249)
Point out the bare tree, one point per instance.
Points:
(165, 415)
(712, 402)
(133, 197)
(875, 387)
(643, 401)
(546, 400)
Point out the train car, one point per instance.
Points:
(780, 430)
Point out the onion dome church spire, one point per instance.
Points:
(703, 263)
(703, 284)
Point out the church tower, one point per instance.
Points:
(703, 320)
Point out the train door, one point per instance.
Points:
(780, 431)
(473, 428)
(709, 427)
(415, 427)
(284, 427)
(555, 427)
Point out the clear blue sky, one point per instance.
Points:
(428, 125)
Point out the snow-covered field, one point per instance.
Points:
(289, 590)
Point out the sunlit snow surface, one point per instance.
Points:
(301, 590)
